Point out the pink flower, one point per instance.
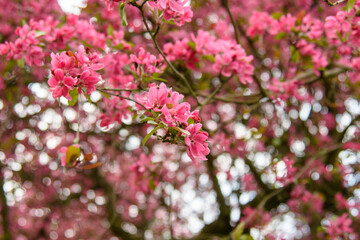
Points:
(156, 98)
(195, 116)
(341, 202)
(259, 22)
(179, 113)
(61, 85)
(174, 10)
(62, 61)
(88, 81)
(340, 227)
(116, 109)
(233, 59)
(196, 143)
(147, 61)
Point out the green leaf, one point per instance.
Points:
(72, 153)
(169, 21)
(147, 119)
(120, 46)
(20, 62)
(159, 79)
(123, 14)
(151, 121)
(211, 58)
(39, 33)
(152, 185)
(245, 237)
(150, 134)
(236, 234)
(186, 132)
(349, 5)
(86, 95)
(190, 121)
(280, 36)
(295, 54)
(192, 45)
(74, 96)
(110, 30)
(277, 15)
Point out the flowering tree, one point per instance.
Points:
(176, 119)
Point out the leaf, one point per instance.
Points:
(72, 153)
(86, 95)
(39, 33)
(146, 119)
(123, 14)
(74, 96)
(245, 237)
(190, 121)
(152, 185)
(295, 54)
(280, 36)
(159, 79)
(277, 15)
(110, 30)
(186, 132)
(120, 46)
(236, 234)
(152, 122)
(88, 157)
(192, 45)
(150, 134)
(349, 5)
(92, 165)
(20, 62)
(211, 58)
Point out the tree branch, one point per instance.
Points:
(153, 37)
(4, 209)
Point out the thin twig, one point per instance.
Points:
(182, 78)
(120, 96)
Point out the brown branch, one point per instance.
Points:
(120, 96)
(4, 210)
(114, 219)
(153, 37)
(225, 4)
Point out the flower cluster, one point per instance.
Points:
(228, 57)
(145, 63)
(174, 10)
(72, 70)
(116, 109)
(25, 46)
(340, 228)
(232, 59)
(181, 124)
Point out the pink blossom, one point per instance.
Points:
(233, 59)
(179, 112)
(156, 98)
(195, 116)
(146, 63)
(87, 81)
(60, 85)
(259, 22)
(116, 110)
(174, 10)
(340, 227)
(196, 143)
